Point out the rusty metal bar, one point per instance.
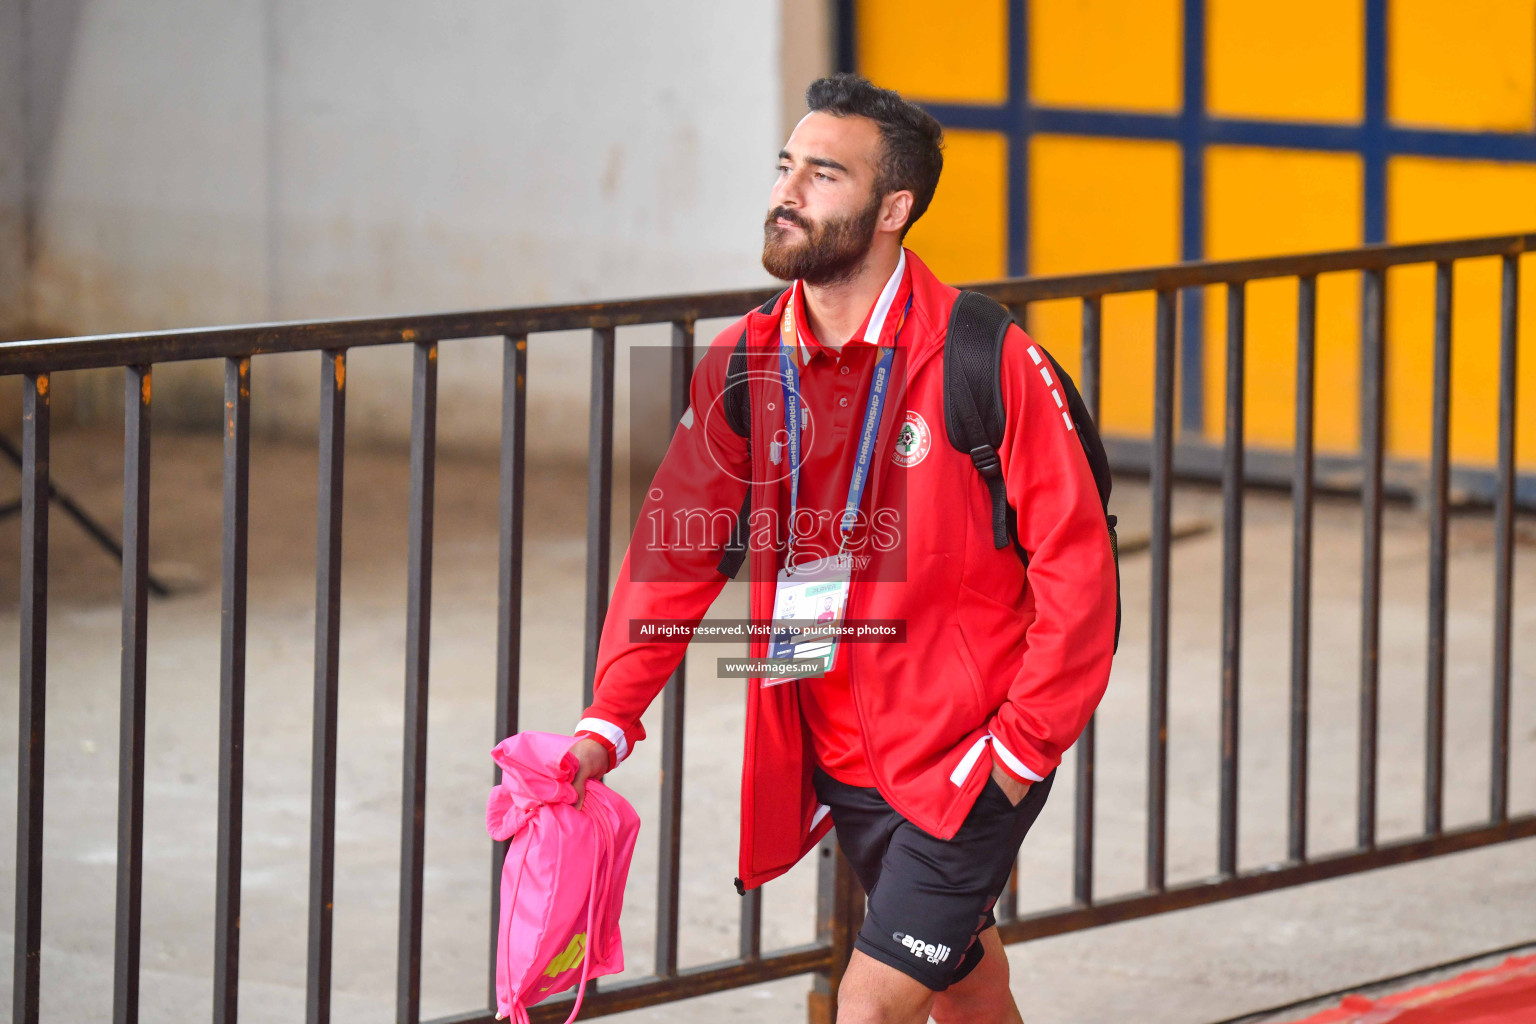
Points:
(1504, 539)
(1372, 441)
(322, 803)
(1302, 503)
(599, 500)
(259, 339)
(32, 706)
(509, 619)
(1439, 484)
(1162, 516)
(1263, 879)
(236, 536)
(1232, 578)
(1199, 461)
(418, 637)
(749, 938)
(670, 827)
(1083, 813)
(130, 745)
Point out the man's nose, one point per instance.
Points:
(786, 191)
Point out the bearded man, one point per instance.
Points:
(931, 756)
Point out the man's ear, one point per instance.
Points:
(895, 209)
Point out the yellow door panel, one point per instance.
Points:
(1101, 204)
(1269, 202)
(1436, 199)
(964, 235)
(955, 54)
(1469, 64)
(1106, 54)
(1257, 54)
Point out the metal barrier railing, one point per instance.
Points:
(839, 904)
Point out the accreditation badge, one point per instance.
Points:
(808, 606)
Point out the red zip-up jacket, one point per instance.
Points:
(992, 654)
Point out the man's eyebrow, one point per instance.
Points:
(821, 161)
(816, 161)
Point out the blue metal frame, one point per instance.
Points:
(1194, 129)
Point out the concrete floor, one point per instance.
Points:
(1183, 968)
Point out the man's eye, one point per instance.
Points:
(823, 176)
(783, 169)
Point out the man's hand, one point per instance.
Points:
(1012, 789)
(593, 758)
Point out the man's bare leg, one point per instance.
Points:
(983, 996)
(873, 992)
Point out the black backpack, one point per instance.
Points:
(973, 419)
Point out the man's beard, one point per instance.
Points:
(830, 252)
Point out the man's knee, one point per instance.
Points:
(876, 993)
(982, 995)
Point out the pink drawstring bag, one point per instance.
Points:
(562, 883)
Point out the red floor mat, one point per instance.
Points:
(1505, 994)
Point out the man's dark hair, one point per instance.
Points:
(912, 152)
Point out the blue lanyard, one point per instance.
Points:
(789, 378)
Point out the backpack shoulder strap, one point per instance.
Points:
(973, 394)
(975, 418)
(737, 403)
(737, 397)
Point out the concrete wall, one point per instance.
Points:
(13, 174)
(259, 160)
(805, 54)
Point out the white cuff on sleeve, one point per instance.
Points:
(1013, 762)
(612, 733)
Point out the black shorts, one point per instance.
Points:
(929, 899)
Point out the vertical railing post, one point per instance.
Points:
(1439, 489)
(1372, 441)
(1301, 564)
(236, 533)
(509, 619)
(670, 830)
(1162, 515)
(599, 511)
(1082, 853)
(31, 712)
(1232, 579)
(418, 634)
(599, 500)
(322, 804)
(839, 914)
(749, 931)
(1504, 540)
(130, 752)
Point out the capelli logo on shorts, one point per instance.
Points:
(935, 954)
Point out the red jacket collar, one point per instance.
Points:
(889, 307)
(932, 301)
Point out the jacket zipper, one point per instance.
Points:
(883, 454)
